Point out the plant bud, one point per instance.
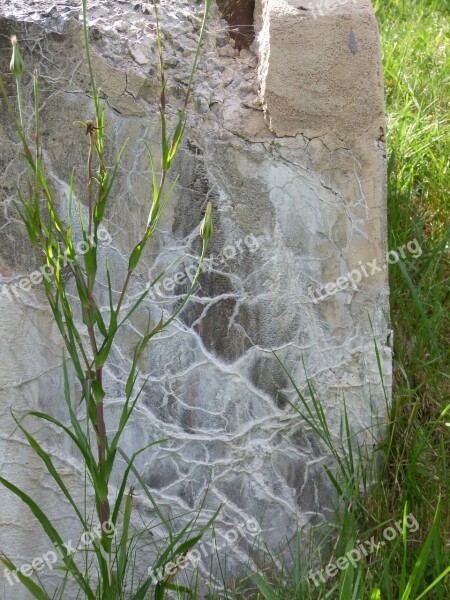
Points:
(16, 64)
(206, 228)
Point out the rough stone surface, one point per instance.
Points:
(286, 140)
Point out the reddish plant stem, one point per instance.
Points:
(101, 427)
(101, 432)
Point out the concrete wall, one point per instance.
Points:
(286, 139)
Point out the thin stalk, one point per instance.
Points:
(36, 136)
(88, 59)
(124, 291)
(100, 426)
(161, 59)
(194, 282)
(208, 4)
(19, 102)
(90, 179)
(18, 128)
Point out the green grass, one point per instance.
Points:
(415, 39)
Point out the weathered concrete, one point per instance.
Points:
(286, 140)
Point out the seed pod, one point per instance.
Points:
(16, 64)
(206, 228)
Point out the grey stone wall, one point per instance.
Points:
(286, 140)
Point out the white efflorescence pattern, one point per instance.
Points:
(286, 141)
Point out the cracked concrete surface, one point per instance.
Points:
(286, 140)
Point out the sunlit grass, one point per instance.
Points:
(415, 39)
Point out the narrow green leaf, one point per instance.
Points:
(164, 143)
(136, 255)
(421, 562)
(46, 459)
(52, 534)
(32, 587)
(265, 588)
(107, 344)
(123, 546)
(99, 210)
(178, 135)
(97, 391)
(180, 589)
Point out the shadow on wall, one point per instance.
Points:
(239, 16)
